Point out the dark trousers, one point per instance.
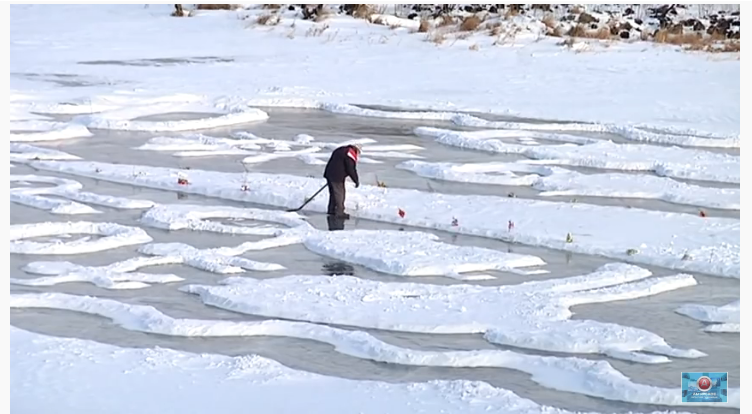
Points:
(336, 197)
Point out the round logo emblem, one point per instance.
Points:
(704, 383)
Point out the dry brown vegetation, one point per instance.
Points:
(470, 23)
(424, 26)
(217, 6)
(267, 20)
(436, 37)
(446, 20)
(549, 20)
(474, 47)
(271, 6)
(363, 11)
(315, 31)
(581, 30)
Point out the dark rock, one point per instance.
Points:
(543, 7)
(493, 9)
(469, 8)
(568, 18)
(624, 34)
(736, 13)
(586, 19)
(412, 16)
(628, 11)
(594, 26)
(625, 26)
(291, 8)
(698, 26)
(638, 21)
(614, 30)
(735, 35)
(736, 23)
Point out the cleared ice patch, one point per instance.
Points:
(200, 383)
(663, 161)
(123, 118)
(46, 131)
(69, 189)
(115, 235)
(120, 275)
(193, 217)
(724, 318)
(533, 315)
(593, 378)
(677, 241)
(554, 181)
(414, 254)
(26, 152)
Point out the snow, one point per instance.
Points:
(414, 254)
(118, 275)
(725, 318)
(677, 241)
(25, 152)
(210, 260)
(47, 131)
(70, 189)
(676, 162)
(189, 382)
(533, 315)
(633, 74)
(593, 378)
(192, 217)
(115, 235)
(554, 181)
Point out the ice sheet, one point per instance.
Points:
(531, 315)
(593, 378)
(725, 318)
(554, 181)
(678, 241)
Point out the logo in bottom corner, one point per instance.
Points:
(704, 387)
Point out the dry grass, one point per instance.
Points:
(217, 6)
(436, 37)
(363, 11)
(321, 16)
(267, 20)
(475, 47)
(446, 20)
(470, 23)
(549, 20)
(581, 30)
(424, 26)
(692, 39)
(510, 12)
(495, 29)
(271, 6)
(316, 31)
(577, 9)
(568, 42)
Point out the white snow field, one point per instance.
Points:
(594, 378)
(166, 381)
(555, 181)
(530, 315)
(677, 241)
(725, 318)
(250, 89)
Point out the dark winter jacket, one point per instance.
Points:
(342, 164)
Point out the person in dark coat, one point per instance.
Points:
(342, 164)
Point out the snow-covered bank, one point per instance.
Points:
(555, 181)
(542, 79)
(531, 315)
(204, 383)
(709, 245)
(593, 378)
(114, 236)
(723, 318)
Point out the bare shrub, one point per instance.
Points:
(424, 26)
(217, 6)
(470, 23)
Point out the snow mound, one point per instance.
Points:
(26, 152)
(246, 380)
(414, 254)
(124, 118)
(707, 244)
(593, 378)
(192, 217)
(47, 131)
(553, 181)
(115, 235)
(219, 260)
(724, 318)
(118, 275)
(663, 161)
(69, 189)
(533, 315)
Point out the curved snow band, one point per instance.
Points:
(116, 235)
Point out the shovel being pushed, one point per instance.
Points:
(308, 200)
